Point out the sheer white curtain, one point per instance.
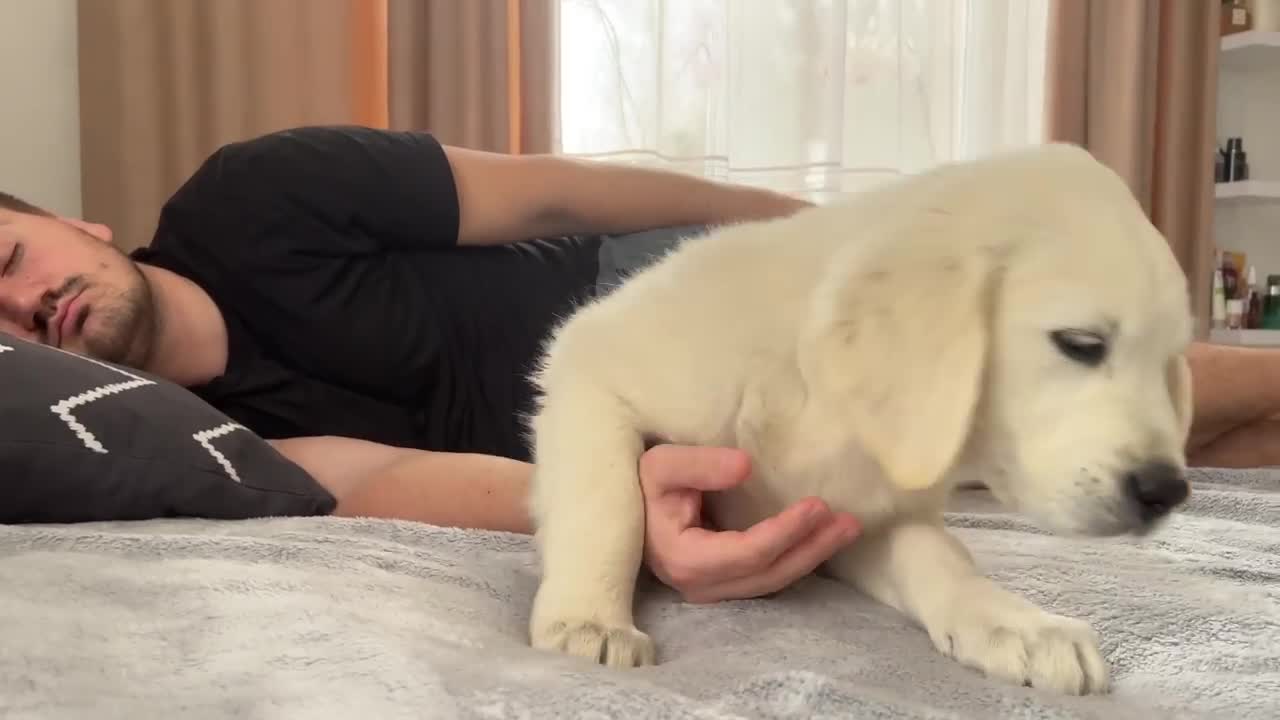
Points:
(811, 97)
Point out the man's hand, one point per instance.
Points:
(705, 565)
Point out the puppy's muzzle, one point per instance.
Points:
(1154, 489)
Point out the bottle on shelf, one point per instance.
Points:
(1253, 302)
(1236, 17)
(1219, 311)
(1235, 161)
(1271, 304)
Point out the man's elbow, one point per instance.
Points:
(562, 191)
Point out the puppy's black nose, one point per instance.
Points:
(1156, 488)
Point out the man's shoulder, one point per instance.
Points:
(252, 188)
(250, 160)
(304, 143)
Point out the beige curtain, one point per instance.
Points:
(1135, 82)
(479, 73)
(163, 83)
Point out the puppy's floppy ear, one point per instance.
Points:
(898, 347)
(1179, 379)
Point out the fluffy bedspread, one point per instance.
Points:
(332, 618)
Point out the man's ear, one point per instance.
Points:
(899, 346)
(102, 232)
(1180, 393)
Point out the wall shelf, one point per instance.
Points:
(1250, 50)
(1248, 190)
(1246, 338)
(1247, 213)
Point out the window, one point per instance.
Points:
(805, 96)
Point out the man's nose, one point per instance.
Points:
(19, 310)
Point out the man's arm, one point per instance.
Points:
(404, 190)
(448, 489)
(488, 493)
(507, 198)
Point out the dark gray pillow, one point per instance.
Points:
(82, 440)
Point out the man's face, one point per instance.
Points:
(63, 283)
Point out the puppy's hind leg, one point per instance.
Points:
(588, 509)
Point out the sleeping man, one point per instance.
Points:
(371, 300)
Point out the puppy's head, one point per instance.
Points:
(1088, 398)
(1019, 319)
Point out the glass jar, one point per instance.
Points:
(1271, 304)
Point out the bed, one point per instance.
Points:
(337, 618)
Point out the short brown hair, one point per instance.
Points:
(17, 204)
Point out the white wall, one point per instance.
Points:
(39, 103)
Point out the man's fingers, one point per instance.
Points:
(769, 554)
(668, 516)
(797, 562)
(684, 467)
(723, 556)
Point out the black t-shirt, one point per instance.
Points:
(350, 307)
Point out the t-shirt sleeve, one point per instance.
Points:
(376, 189)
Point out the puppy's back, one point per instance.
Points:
(680, 340)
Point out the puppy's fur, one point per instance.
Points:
(1014, 321)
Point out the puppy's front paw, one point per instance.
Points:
(615, 646)
(1004, 637)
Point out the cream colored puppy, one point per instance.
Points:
(1015, 320)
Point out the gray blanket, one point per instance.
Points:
(330, 618)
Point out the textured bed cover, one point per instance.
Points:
(332, 618)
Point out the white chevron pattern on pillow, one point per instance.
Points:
(139, 447)
(63, 410)
(206, 438)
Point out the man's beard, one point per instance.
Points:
(124, 325)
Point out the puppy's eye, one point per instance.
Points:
(1086, 348)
